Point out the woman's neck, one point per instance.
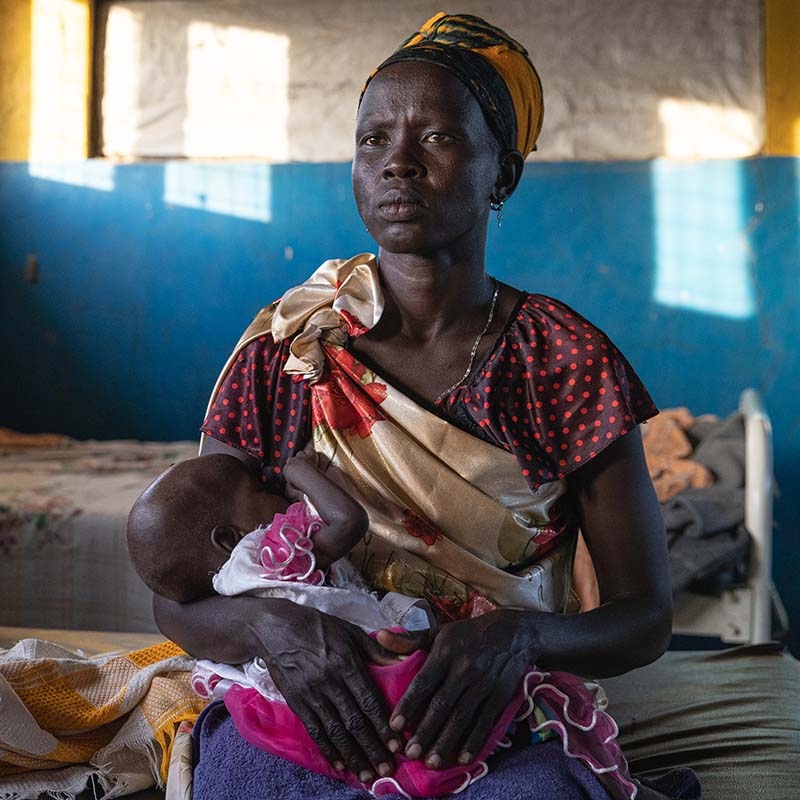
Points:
(425, 296)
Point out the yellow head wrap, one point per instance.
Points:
(509, 91)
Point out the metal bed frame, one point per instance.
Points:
(743, 615)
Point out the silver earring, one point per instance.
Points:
(497, 205)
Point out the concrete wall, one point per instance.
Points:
(623, 79)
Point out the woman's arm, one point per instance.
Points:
(316, 660)
(624, 531)
(623, 527)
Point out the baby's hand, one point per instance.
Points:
(297, 471)
(306, 456)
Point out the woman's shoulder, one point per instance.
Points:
(553, 334)
(555, 340)
(555, 390)
(259, 329)
(543, 315)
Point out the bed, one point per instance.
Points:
(732, 712)
(714, 479)
(63, 510)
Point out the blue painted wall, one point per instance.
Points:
(147, 280)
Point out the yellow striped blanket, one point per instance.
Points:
(67, 720)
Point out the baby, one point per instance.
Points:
(209, 525)
(186, 524)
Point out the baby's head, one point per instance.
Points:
(183, 527)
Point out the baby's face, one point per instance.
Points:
(249, 506)
(255, 506)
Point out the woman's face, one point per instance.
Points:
(425, 163)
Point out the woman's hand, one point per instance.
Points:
(317, 661)
(319, 664)
(470, 676)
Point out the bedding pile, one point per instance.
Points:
(70, 722)
(697, 465)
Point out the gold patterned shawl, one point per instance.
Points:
(451, 517)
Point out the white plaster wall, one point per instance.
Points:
(280, 79)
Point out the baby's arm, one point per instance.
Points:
(345, 520)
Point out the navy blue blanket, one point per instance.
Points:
(229, 768)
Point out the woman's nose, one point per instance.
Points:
(403, 161)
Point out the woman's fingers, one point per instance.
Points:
(317, 730)
(322, 675)
(450, 743)
(345, 747)
(448, 711)
(478, 732)
(469, 678)
(413, 703)
(353, 712)
(363, 689)
(487, 707)
(339, 720)
(358, 741)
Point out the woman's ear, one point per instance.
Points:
(511, 165)
(226, 537)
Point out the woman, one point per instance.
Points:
(479, 426)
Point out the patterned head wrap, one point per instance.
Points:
(493, 66)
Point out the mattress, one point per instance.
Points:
(732, 715)
(63, 512)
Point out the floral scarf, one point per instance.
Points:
(452, 520)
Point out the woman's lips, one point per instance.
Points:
(399, 207)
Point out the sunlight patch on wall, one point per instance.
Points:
(121, 109)
(238, 190)
(91, 174)
(60, 47)
(237, 93)
(701, 249)
(59, 79)
(695, 129)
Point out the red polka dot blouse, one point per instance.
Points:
(553, 390)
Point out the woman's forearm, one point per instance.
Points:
(618, 636)
(217, 628)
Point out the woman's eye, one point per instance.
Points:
(373, 140)
(437, 137)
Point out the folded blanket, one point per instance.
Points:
(229, 768)
(685, 452)
(668, 450)
(721, 449)
(703, 513)
(68, 719)
(698, 469)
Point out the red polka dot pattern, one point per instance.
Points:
(261, 410)
(554, 391)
